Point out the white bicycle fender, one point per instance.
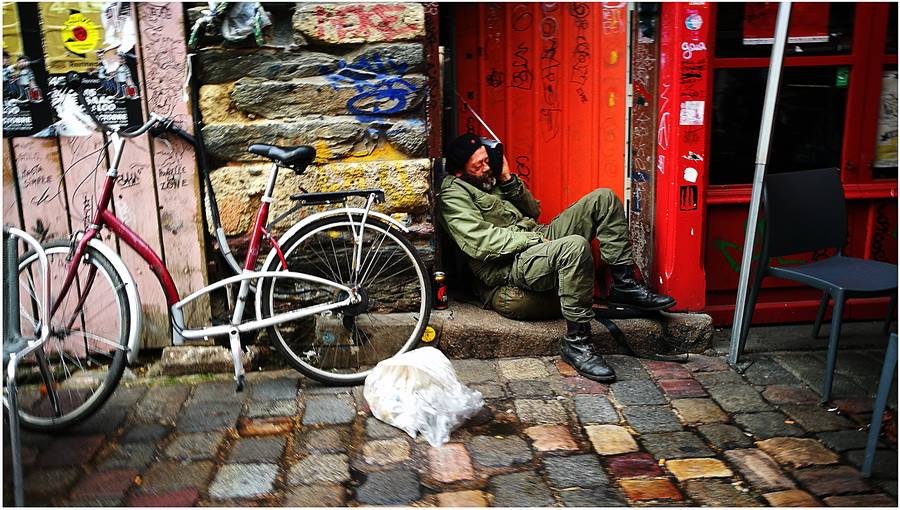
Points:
(315, 217)
(131, 292)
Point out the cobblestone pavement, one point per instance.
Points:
(664, 434)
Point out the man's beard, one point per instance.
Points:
(485, 183)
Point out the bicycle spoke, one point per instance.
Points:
(90, 336)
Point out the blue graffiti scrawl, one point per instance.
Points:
(381, 90)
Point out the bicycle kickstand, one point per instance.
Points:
(234, 339)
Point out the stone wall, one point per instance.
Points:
(347, 79)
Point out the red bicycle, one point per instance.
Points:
(338, 292)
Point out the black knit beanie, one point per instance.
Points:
(458, 152)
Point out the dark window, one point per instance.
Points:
(808, 127)
(730, 25)
(890, 45)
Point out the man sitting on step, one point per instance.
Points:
(491, 216)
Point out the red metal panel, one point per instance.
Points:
(683, 110)
(550, 81)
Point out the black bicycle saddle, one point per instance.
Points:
(297, 157)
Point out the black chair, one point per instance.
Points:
(804, 212)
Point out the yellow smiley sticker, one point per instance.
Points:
(79, 34)
(429, 335)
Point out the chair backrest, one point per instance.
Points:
(804, 211)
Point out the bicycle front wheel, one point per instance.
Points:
(80, 364)
(341, 346)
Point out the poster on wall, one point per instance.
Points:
(26, 109)
(886, 142)
(809, 23)
(95, 40)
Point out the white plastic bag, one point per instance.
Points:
(418, 392)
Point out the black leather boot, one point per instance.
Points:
(626, 291)
(576, 349)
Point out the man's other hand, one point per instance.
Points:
(505, 175)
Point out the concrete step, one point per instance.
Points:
(467, 331)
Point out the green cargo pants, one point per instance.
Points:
(564, 262)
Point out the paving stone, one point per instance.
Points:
(540, 411)
(792, 498)
(666, 370)
(70, 451)
(199, 446)
(632, 465)
(112, 483)
(165, 477)
(328, 440)
(888, 486)
(610, 439)
(258, 409)
(794, 394)
(578, 386)
(687, 469)
(106, 420)
(243, 481)
(97, 501)
(637, 392)
(137, 456)
(386, 451)
(861, 500)
(377, 429)
(575, 471)
(145, 432)
(709, 380)
(530, 388)
(595, 409)
(161, 404)
(126, 396)
(177, 499)
(765, 372)
(627, 367)
(816, 419)
(49, 481)
(282, 388)
(832, 480)
(767, 425)
(489, 390)
(596, 497)
(738, 398)
(265, 450)
(675, 445)
(450, 463)
(520, 490)
(725, 437)
(218, 391)
(316, 496)
(565, 369)
(698, 363)
(694, 411)
(470, 371)
(328, 410)
(491, 451)
(797, 452)
(682, 388)
(208, 416)
(522, 369)
(719, 493)
(760, 470)
(843, 440)
(320, 468)
(397, 487)
(462, 499)
(548, 438)
(811, 370)
(642, 489)
(649, 419)
(885, 465)
(276, 425)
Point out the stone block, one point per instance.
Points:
(328, 411)
(272, 408)
(386, 451)
(520, 490)
(242, 481)
(711, 379)
(816, 419)
(698, 363)
(265, 426)
(135, 456)
(450, 463)
(610, 439)
(687, 469)
(596, 497)
(258, 450)
(112, 483)
(320, 468)
(198, 446)
(718, 493)
(649, 419)
(161, 404)
(760, 470)
(530, 389)
(791, 394)
(637, 392)
(675, 445)
(199, 359)
(884, 467)
(492, 451)
(725, 437)
(145, 432)
(578, 386)
(397, 487)
(665, 370)
(861, 500)
(209, 416)
(766, 371)
(548, 438)
(642, 489)
(176, 499)
(797, 452)
(281, 388)
(540, 411)
(843, 440)
(328, 440)
(359, 23)
(627, 367)
(165, 477)
(694, 411)
(522, 369)
(48, 481)
(634, 465)
(475, 370)
(793, 498)
(70, 451)
(767, 425)
(738, 398)
(689, 332)
(316, 496)
(565, 369)
(575, 471)
(221, 65)
(682, 388)
(595, 409)
(462, 499)
(832, 480)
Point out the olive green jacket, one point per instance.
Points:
(490, 228)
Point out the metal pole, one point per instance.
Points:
(762, 158)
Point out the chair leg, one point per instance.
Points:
(750, 307)
(833, 345)
(884, 387)
(823, 305)
(890, 315)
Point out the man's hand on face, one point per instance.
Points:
(505, 174)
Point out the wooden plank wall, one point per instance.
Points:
(157, 194)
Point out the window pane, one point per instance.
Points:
(885, 164)
(890, 45)
(739, 26)
(808, 128)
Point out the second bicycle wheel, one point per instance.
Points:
(341, 346)
(85, 355)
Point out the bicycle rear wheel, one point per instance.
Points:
(341, 346)
(85, 354)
